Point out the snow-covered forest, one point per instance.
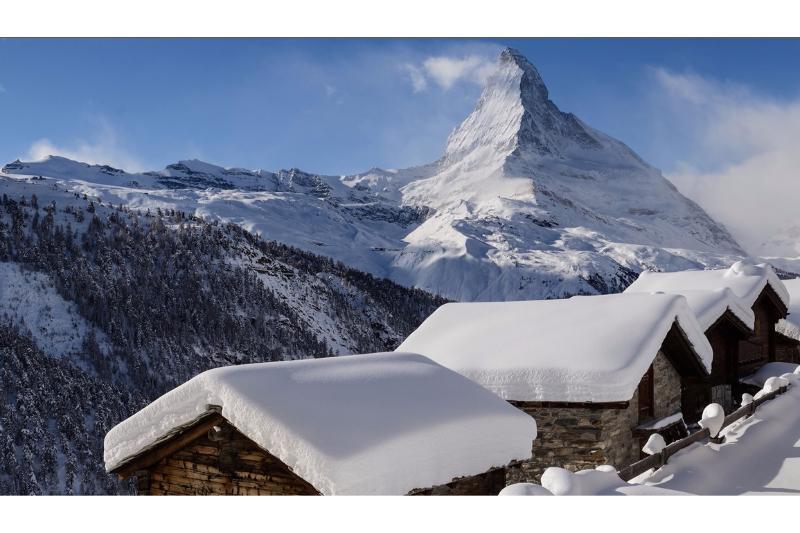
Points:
(106, 308)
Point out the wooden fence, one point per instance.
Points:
(657, 460)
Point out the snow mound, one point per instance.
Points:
(581, 349)
(601, 481)
(525, 489)
(364, 424)
(562, 482)
(745, 279)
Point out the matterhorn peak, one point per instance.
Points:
(531, 79)
(515, 115)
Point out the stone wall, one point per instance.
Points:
(570, 437)
(667, 387)
(582, 436)
(489, 483)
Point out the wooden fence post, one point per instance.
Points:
(658, 460)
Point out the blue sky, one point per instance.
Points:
(339, 106)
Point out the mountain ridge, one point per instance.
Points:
(527, 201)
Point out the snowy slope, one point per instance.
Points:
(526, 202)
(31, 303)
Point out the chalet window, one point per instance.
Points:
(646, 399)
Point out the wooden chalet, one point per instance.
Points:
(727, 321)
(392, 423)
(600, 374)
(762, 346)
(740, 308)
(210, 456)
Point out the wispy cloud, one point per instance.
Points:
(2, 88)
(103, 149)
(448, 70)
(417, 77)
(746, 165)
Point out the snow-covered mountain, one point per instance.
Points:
(526, 202)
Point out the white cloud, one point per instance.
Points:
(446, 71)
(3, 88)
(745, 166)
(104, 149)
(417, 77)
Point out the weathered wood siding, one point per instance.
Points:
(222, 461)
(787, 350)
(229, 464)
(760, 348)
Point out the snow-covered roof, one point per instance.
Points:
(581, 349)
(747, 280)
(768, 370)
(362, 424)
(709, 305)
(790, 326)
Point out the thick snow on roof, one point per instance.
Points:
(581, 349)
(790, 326)
(363, 424)
(709, 305)
(745, 279)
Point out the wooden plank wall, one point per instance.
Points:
(224, 462)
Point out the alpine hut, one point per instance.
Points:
(756, 285)
(389, 423)
(600, 374)
(727, 321)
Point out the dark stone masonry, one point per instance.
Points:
(580, 436)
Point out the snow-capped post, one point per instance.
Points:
(713, 418)
(655, 445)
(775, 384)
(747, 399)
(749, 403)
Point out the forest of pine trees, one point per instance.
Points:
(173, 295)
